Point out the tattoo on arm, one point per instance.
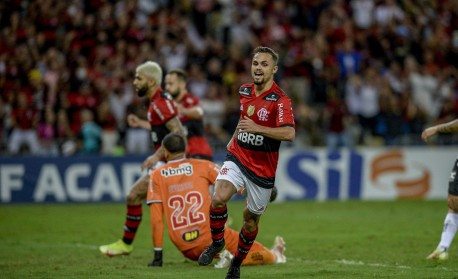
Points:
(449, 127)
(174, 125)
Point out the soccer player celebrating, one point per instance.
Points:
(451, 219)
(179, 190)
(266, 119)
(162, 119)
(190, 114)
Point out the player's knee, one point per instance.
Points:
(250, 220)
(250, 225)
(135, 198)
(221, 197)
(218, 200)
(452, 202)
(131, 199)
(273, 194)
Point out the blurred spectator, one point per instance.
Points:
(349, 60)
(91, 133)
(362, 99)
(363, 13)
(396, 78)
(24, 123)
(174, 52)
(198, 84)
(47, 133)
(428, 92)
(65, 135)
(69, 56)
(337, 120)
(389, 121)
(109, 136)
(387, 12)
(119, 100)
(214, 107)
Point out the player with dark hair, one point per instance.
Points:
(162, 118)
(179, 193)
(190, 113)
(266, 119)
(451, 219)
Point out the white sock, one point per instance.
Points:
(449, 231)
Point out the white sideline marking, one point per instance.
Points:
(66, 245)
(353, 262)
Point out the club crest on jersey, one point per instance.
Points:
(250, 110)
(262, 114)
(246, 91)
(183, 169)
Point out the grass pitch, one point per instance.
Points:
(324, 240)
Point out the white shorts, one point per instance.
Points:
(257, 197)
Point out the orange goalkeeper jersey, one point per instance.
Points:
(179, 191)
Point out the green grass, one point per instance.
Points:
(324, 240)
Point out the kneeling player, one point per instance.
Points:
(180, 191)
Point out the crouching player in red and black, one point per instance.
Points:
(266, 119)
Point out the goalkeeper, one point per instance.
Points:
(180, 191)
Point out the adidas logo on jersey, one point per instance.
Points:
(183, 169)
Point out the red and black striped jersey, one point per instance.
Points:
(161, 109)
(255, 154)
(198, 146)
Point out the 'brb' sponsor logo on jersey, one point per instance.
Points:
(249, 138)
(183, 169)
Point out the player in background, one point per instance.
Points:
(266, 119)
(451, 219)
(162, 118)
(179, 192)
(190, 114)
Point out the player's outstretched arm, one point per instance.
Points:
(135, 122)
(285, 133)
(195, 112)
(449, 127)
(157, 156)
(157, 227)
(174, 126)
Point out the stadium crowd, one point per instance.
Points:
(360, 72)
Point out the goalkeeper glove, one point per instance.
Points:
(157, 261)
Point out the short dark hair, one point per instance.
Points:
(174, 143)
(181, 74)
(263, 49)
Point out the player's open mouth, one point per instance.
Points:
(258, 74)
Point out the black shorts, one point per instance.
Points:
(453, 181)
